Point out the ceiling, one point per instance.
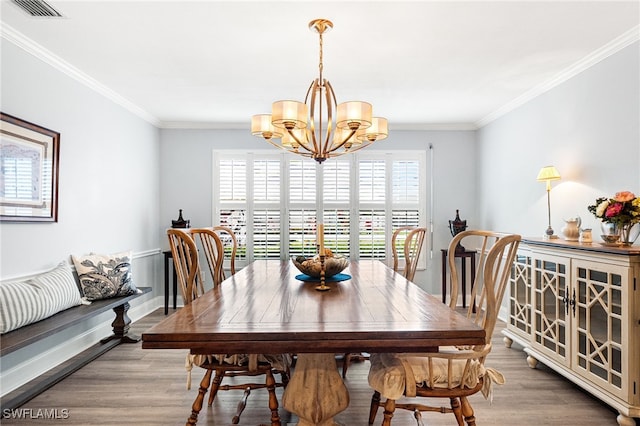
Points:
(422, 64)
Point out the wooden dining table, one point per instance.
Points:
(265, 308)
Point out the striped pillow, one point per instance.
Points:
(33, 299)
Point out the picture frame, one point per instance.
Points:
(29, 168)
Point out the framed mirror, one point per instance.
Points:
(29, 157)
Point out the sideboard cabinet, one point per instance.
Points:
(576, 308)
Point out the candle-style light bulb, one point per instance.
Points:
(321, 238)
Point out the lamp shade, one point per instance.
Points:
(354, 115)
(547, 174)
(261, 126)
(340, 137)
(289, 141)
(289, 114)
(378, 130)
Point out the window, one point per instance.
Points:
(336, 181)
(273, 201)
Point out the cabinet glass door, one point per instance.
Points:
(599, 354)
(551, 292)
(520, 295)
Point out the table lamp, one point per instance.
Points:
(547, 174)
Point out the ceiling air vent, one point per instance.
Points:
(38, 8)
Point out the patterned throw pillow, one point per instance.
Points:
(105, 276)
(33, 299)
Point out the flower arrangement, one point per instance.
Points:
(623, 208)
(623, 212)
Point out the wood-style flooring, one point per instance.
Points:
(132, 386)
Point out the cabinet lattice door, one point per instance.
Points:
(551, 291)
(520, 295)
(599, 353)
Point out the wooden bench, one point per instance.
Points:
(29, 334)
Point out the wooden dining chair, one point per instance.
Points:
(213, 250)
(411, 249)
(230, 246)
(453, 373)
(186, 264)
(188, 271)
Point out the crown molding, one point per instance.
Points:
(434, 126)
(18, 39)
(588, 61)
(246, 126)
(204, 125)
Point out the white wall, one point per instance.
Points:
(109, 169)
(186, 181)
(108, 193)
(588, 127)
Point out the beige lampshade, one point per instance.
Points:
(354, 115)
(261, 126)
(547, 174)
(290, 142)
(289, 114)
(340, 135)
(378, 130)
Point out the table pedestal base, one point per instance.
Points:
(316, 391)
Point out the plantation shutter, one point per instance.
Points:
(372, 215)
(302, 211)
(266, 214)
(406, 196)
(232, 190)
(336, 215)
(271, 201)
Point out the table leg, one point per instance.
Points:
(473, 278)
(166, 284)
(464, 281)
(444, 276)
(316, 392)
(175, 288)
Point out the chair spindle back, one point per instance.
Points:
(412, 248)
(497, 252)
(213, 250)
(230, 246)
(186, 264)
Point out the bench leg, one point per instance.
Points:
(121, 326)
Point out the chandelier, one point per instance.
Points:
(309, 128)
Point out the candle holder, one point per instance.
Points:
(180, 223)
(456, 226)
(323, 284)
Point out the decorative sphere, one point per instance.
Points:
(311, 265)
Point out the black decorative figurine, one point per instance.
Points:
(456, 226)
(180, 223)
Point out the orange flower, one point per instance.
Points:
(624, 196)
